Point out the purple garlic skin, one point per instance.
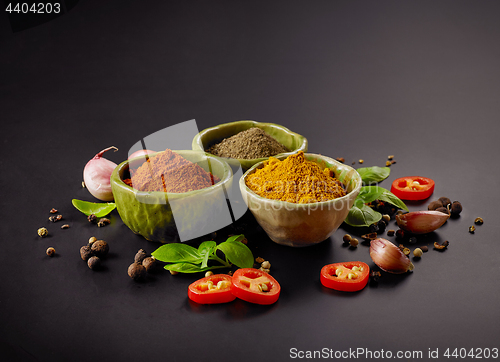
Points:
(421, 222)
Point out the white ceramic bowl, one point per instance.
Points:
(303, 224)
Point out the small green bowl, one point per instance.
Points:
(213, 135)
(299, 225)
(171, 217)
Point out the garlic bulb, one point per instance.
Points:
(389, 257)
(97, 176)
(421, 222)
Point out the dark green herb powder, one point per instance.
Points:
(249, 144)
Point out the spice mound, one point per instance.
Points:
(170, 172)
(247, 145)
(296, 180)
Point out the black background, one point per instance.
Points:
(360, 79)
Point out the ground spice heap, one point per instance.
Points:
(249, 144)
(296, 180)
(170, 172)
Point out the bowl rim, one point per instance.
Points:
(228, 175)
(197, 139)
(318, 204)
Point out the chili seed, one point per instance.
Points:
(406, 251)
(441, 246)
(340, 159)
(472, 229)
(390, 157)
(388, 163)
(260, 260)
(42, 232)
(478, 221)
(209, 273)
(103, 222)
(51, 251)
(65, 226)
(53, 211)
(390, 232)
(92, 218)
(266, 265)
(361, 161)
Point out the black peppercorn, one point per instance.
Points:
(374, 228)
(136, 271)
(412, 240)
(94, 262)
(382, 224)
(150, 264)
(140, 256)
(400, 234)
(92, 218)
(456, 208)
(100, 248)
(86, 252)
(445, 201)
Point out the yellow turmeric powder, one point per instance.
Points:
(296, 180)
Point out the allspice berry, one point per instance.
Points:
(149, 264)
(86, 252)
(443, 209)
(456, 208)
(136, 271)
(100, 248)
(445, 201)
(434, 205)
(94, 262)
(140, 256)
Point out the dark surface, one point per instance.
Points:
(361, 80)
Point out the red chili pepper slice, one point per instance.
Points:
(211, 290)
(346, 277)
(255, 286)
(413, 187)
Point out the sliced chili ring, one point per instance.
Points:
(213, 289)
(413, 187)
(346, 277)
(255, 286)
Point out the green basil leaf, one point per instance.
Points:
(237, 253)
(99, 209)
(236, 238)
(177, 253)
(389, 197)
(362, 216)
(205, 249)
(373, 174)
(368, 194)
(186, 268)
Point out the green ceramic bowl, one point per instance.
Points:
(159, 216)
(303, 224)
(210, 136)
